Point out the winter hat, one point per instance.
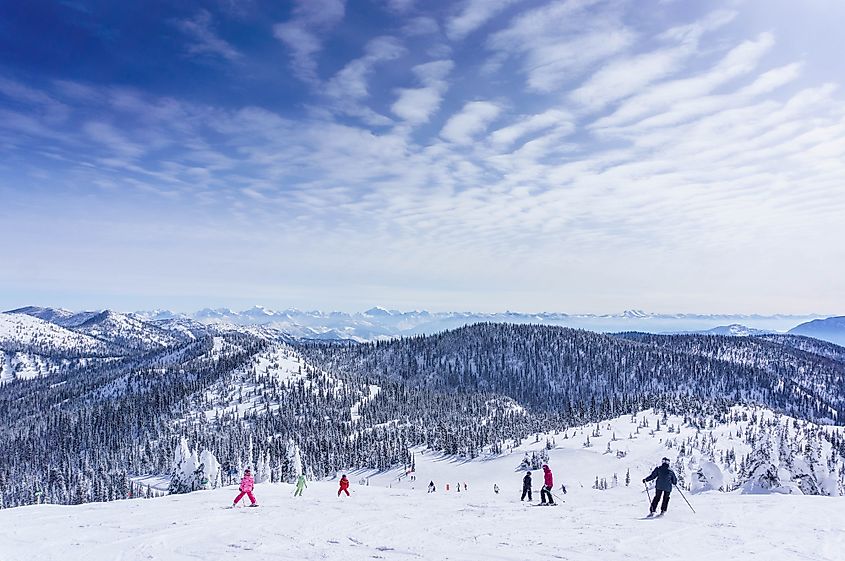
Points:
(545, 466)
(247, 471)
(528, 473)
(666, 460)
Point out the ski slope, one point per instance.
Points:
(394, 518)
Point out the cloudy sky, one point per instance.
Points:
(533, 155)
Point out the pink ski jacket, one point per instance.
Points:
(547, 477)
(247, 483)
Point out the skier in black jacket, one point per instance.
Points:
(526, 486)
(663, 486)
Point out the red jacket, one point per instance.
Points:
(547, 477)
(344, 483)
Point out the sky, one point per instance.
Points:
(534, 155)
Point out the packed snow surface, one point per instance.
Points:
(391, 516)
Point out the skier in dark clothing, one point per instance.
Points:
(526, 486)
(431, 487)
(666, 479)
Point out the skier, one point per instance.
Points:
(344, 486)
(526, 486)
(459, 487)
(247, 483)
(663, 486)
(546, 492)
(431, 488)
(300, 485)
(496, 488)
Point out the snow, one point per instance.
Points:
(394, 518)
(394, 524)
(24, 330)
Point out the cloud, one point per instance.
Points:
(400, 6)
(205, 40)
(302, 33)
(559, 41)
(741, 60)
(474, 14)
(473, 119)
(554, 118)
(416, 105)
(421, 25)
(351, 80)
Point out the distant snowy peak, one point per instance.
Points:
(830, 329)
(378, 311)
(736, 330)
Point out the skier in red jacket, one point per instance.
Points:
(344, 486)
(546, 491)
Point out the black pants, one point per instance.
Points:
(657, 494)
(546, 495)
(526, 491)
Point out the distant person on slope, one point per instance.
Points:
(300, 485)
(663, 486)
(526, 486)
(344, 486)
(247, 484)
(431, 487)
(496, 488)
(546, 491)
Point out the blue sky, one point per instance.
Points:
(580, 156)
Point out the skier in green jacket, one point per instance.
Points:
(300, 484)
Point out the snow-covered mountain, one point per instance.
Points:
(380, 323)
(253, 394)
(128, 332)
(735, 330)
(829, 329)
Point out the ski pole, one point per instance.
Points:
(646, 492)
(685, 499)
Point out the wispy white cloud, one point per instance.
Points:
(400, 6)
(302, 34)
(551, 119)
(416, 105)
(473, 119)
(421, 25)
(349, 87)
(473, 14)
(351, 80)
(629, 74)
(205, 40)
(559, 41)
(741, 60)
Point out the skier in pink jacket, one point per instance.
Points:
(546, 491)
(247, 484)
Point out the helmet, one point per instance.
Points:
(528, 473)
(666, 460)
(247, 470)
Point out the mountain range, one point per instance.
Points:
(380, 323)
(89, 401)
